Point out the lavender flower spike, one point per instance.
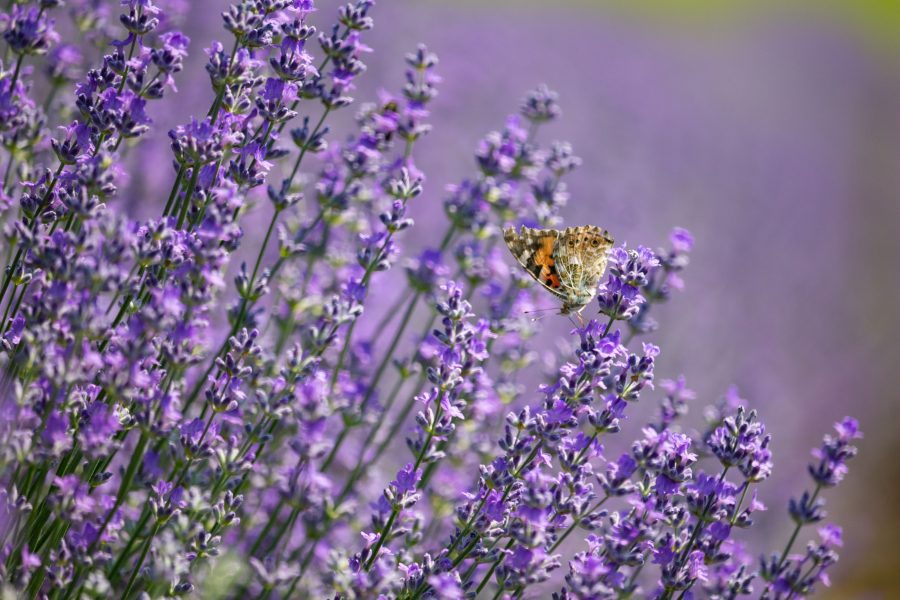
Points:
(223, 387)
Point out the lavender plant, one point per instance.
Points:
(167, 435)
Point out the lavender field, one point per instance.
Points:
(262, 336)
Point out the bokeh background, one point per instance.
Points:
(770, 130)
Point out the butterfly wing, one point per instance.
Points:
(535, 250)
(581, 258)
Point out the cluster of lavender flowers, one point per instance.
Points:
(149, 450)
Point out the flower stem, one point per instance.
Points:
(698, 527)
(174, 191)
(395, 511)
(797, 527)
(11, 269)
(392, 347)
(490, 572)
(386, 530)
(359, 467)
(15, 77)
(140, 562)
(188, 194)
(273, 517)
(575, 522)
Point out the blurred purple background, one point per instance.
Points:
(774, 138)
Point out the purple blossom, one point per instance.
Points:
(407, 479)
(165, 400)
(834, 453)
(97, 430)
(28, 30)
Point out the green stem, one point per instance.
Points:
(11, 269)
(9, 165)
(137, 457)
(9, 272)
(290, 591)
(575, 522)
(342, 356)
(15, 77)
(498, 593)
(140, 562)
(612, 319)
(474, 516)
(213, 113)
(124, 78)
(264, 246)
(374, 384)
(399, 421)
(246, 305)
(146, 513)
(305, 147)
(58, 530)
(126, 551)
(394, 310)
(487, 576)
(381, 539)
(395, 511)
(797, 527)
(188, 194)
(303, 565)
(398, 335)
(174, 191)
(698, 527)
(737, 509)
(271, 523)
(361, 462)
(348, 338)
(4, 325)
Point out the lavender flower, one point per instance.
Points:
(787, 575)
(169, 410)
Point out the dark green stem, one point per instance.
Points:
(140, 562)
(490, 572)
(188, 194)
(797, 527)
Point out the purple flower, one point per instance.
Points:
(786, 574)
(29, 30)
(13, 334)
(64, 62)
(406, 480)
(153, 415)
(97, 430)
(30, 560)
(831, 535)
(541, 105)
(166, 501)
(742, 441)
(446, 586)
(682, 241)
(834, 454)
(56, 433)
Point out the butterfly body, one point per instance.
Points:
(568, 263)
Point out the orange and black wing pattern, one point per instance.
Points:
(535, 249)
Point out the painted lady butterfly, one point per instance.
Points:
(568, 263)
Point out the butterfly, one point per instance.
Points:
(568, 263)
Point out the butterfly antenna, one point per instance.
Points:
(540, 312)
